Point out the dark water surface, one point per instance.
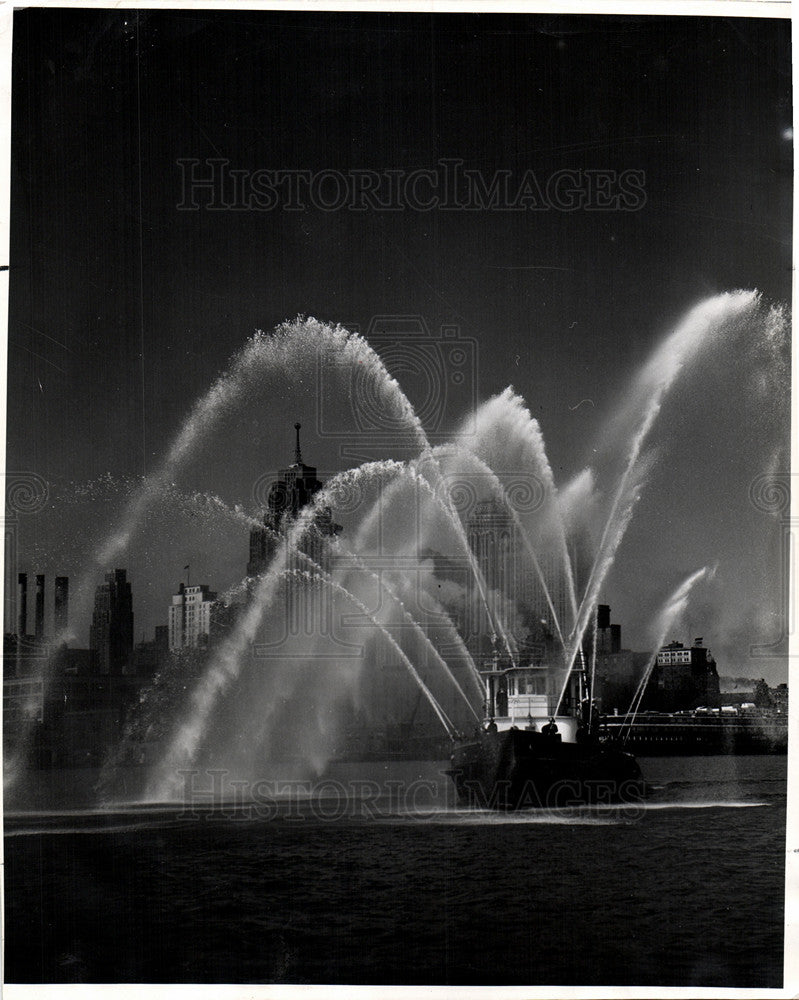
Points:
(687, 891)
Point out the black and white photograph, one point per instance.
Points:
(398, 563)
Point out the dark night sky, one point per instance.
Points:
(124, 309)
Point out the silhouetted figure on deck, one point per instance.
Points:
(551, 729)
(491, 727)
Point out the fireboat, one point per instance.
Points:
(538, 749)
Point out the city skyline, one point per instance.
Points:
(148, 297)
(492, 537)
(155, 618)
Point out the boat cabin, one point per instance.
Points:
(524, 697)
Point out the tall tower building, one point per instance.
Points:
(492, 537)
(294, 488)
(111, 632)
(516, 592)
(190, 617)
(553, 571)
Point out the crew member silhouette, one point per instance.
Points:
(551, 728)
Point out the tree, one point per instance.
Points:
(762, 696)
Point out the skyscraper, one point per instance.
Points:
(111, 632)
(516, 592)
(493, 539)
(294, 488)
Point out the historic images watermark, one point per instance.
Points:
(216, 795)
(215, 185)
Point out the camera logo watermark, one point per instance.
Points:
(771, 494)
(214, 185)
(439, 372)
(27, 493)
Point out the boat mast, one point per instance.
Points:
(491, 702)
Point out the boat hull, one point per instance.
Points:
(520, 769)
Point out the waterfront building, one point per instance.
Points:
(492, 537)
(23, 704)
(684, 678)
(779, 695)
(617, 676)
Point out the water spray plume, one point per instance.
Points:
(504, 426)
(409, 474)
(604, 560)
(499, 493)
(226, 664)
(703, 324)
(668, 616)
(386, 588)
(322, 576)
(291, 349)
(439, 711)
(502, 438)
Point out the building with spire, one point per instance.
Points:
(292, 491)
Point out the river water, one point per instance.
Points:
(353, 886)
